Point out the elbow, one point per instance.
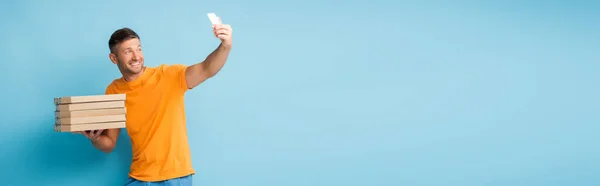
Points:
(106, 146)
(107, 150)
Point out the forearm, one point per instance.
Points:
(104, 144)
(216, 60)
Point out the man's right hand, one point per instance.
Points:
(103, 139)
(93, 135)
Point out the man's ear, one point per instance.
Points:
(113, 58)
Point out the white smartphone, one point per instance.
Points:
(213, 18)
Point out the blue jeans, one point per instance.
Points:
(181, 181)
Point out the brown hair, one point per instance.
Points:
(119, 36)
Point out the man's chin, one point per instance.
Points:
(136, 69)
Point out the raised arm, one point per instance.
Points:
(200, 72)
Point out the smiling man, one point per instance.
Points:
(156, 119)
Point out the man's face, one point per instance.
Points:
(129, 57)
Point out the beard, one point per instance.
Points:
(130, 67)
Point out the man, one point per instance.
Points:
(156, 119)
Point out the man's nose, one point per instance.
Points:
(136, 56)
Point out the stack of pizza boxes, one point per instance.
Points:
(92, 112)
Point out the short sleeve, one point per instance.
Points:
(176, 75)
(110, 88)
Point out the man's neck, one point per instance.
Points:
(132, 77)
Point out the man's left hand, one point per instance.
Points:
(223, 32)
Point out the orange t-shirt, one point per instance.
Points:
(156, 122)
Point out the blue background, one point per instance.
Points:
(323, 92)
